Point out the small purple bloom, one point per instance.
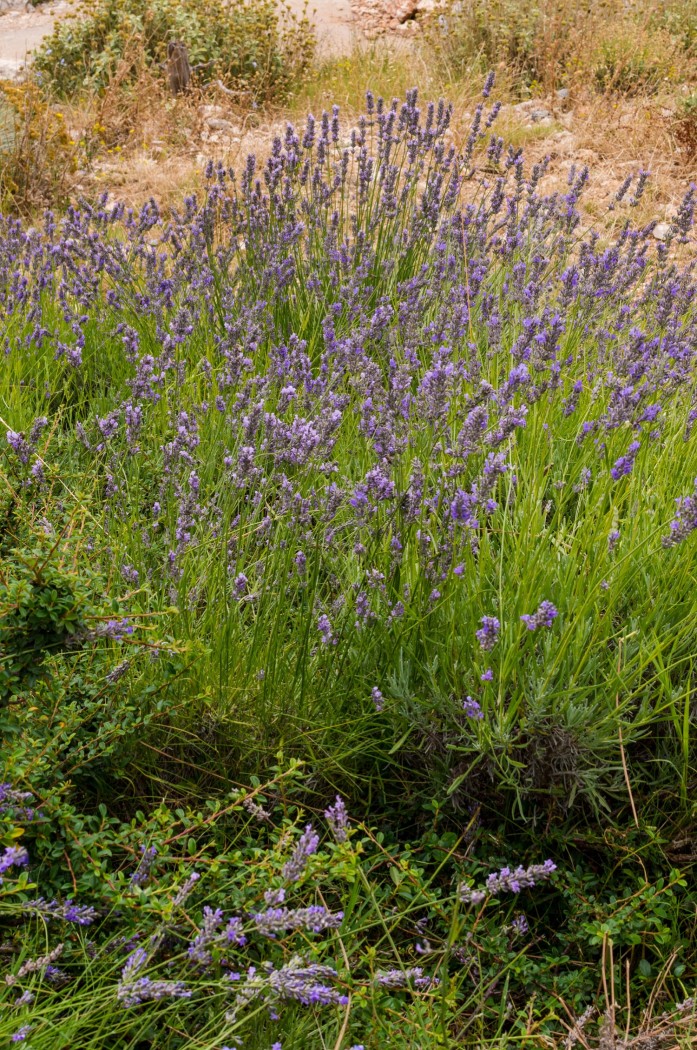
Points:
(307, 845)
(624, 464)
(488, 633)
(337, 818)
(472, 708)
(544, 617)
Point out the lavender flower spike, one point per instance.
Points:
(684, 522)
(307, 845)
(14, 856)
(544, 617)
(488, 633)
(508, 881)
(337, 818)
(81, 914)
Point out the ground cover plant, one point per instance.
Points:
(372, 459)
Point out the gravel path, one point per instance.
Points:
(21, 30)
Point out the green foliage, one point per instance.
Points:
(247, 45)
(623, 67)
(43, 610)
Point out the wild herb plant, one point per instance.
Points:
(408, 454)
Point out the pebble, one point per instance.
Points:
(661, 231)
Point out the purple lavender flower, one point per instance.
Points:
(544, 617)
(377, 698)
(472, 708)
(19, 445)
(520, 925)
(21, 1034)
(307, 845)
(144, 990)
(13, 856)
(508, 881)
(80, 914)
(306, 984)
(326, 631)
(25, 999)
(624, 464)
(185, 889)
(257, 811)
(488, 633)
(337, 818)
(199, 949)
(403, 978)
(142, 872)
(685, 521)
(488, 675)
(314, 918)
(233, 932)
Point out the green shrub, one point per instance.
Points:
(37, 155)
(244, 44)
(625, 66)
(607, 45)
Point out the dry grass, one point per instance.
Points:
(150, 144)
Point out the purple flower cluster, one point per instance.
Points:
(337, 818)
(314, 919)
(684, 522)
(306, 846)
(472, 708)
(142, 872)
(13, 857)
(404, 978)
(544, 616)
(508, 880)
(80, 914)
(488, 633)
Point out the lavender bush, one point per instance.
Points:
(408, 453)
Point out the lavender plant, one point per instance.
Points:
(408, 453)
(362, 400)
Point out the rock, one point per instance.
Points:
(565, 142)
(540, 116)
(562, 93)
(219, 124)
(10, 69)
(662, 231)
(533, 112)
(211, 111)
(403, 10)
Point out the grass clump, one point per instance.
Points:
(608, 46)
(37, 155)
